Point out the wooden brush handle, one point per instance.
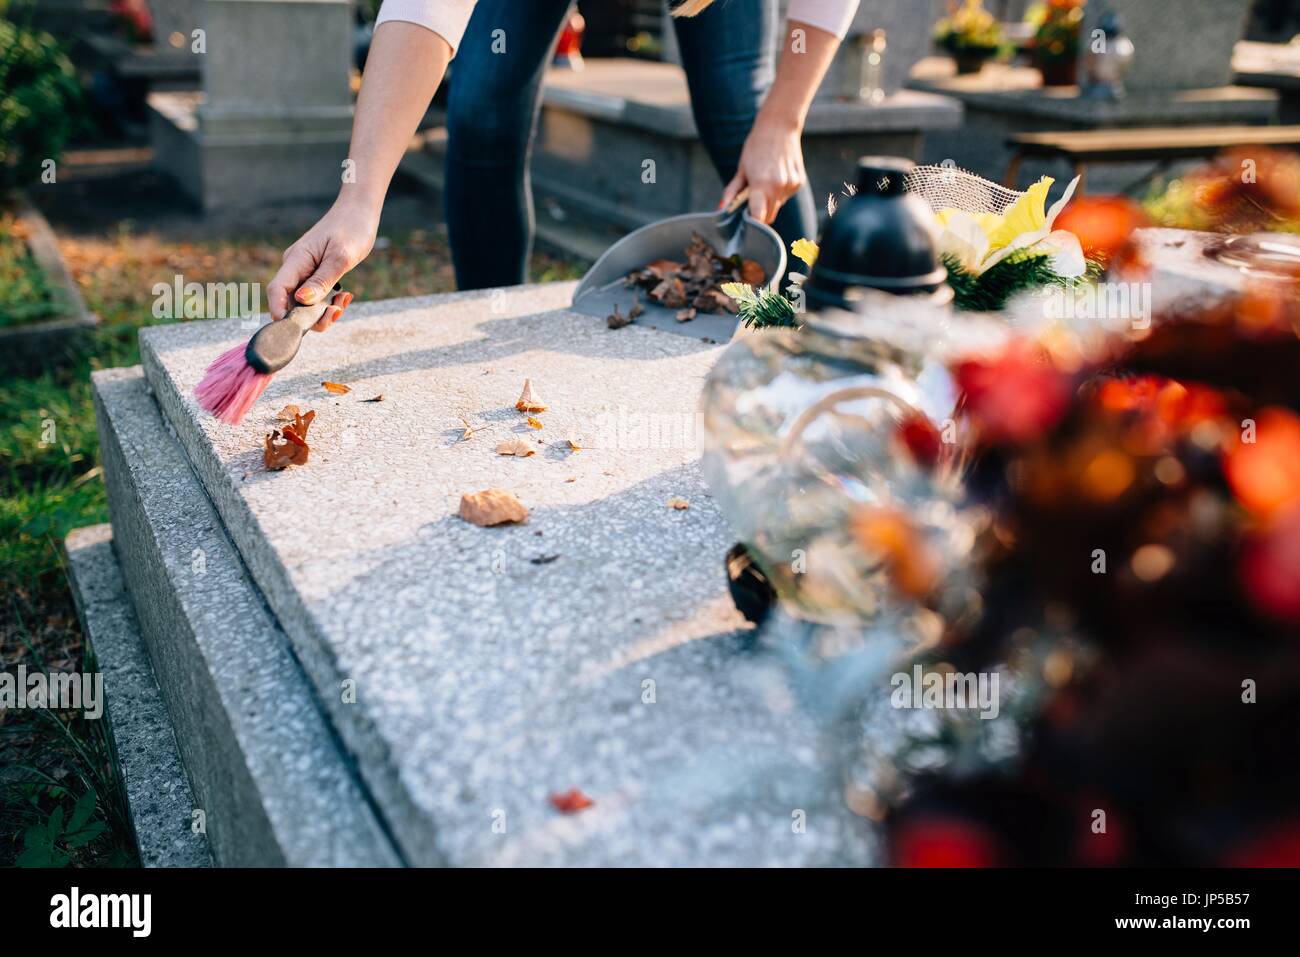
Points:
(304, 317)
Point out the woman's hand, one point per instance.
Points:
(771, 165)
(343, 237)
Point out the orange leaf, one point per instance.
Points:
(336, 388)
(528, 401)
(492, 506)
(571, 801)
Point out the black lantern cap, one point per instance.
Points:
(881, 238)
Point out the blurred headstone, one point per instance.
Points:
(274, 117)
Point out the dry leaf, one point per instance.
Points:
(287, 414)
(528, 401)
(336, 388)
(695, 283)
(543, 559)
(752, 273)
(636, 310)
(571, 801)
(573, 445)
(571, 478)
(288, 446)
(535, 423)
(378, 398)
(678, 503)
(616, 320)
(492, 506)
(516, 447)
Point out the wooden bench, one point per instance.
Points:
(1080, 147)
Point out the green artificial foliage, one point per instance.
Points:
(995, 287)
(770, 309)
(38, 93)
(762, 309)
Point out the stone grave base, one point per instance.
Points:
(594, 647)
(144, 744)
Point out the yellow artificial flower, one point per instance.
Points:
(980, 241)
(1028, 214)
(806, 250)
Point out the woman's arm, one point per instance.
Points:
(405, 65)
(771, 163)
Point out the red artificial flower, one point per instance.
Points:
(1016, 396)
(944, 842)
(1270, 568)
(1278, 847)
(921, 439)
(1265, 473)
(1104, 224)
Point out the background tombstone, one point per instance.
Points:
(1180, 45)
(274, 116)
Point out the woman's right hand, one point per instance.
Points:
(343, 237)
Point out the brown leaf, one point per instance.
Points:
(685, 315)
(574, 446)
(678, 503)
(528, 401)
(378, 398)
(288, 446)
(636, 310)
(336, 388)
(516, 447)
(492, 506)
(663, 268)
(535, 423)
(287, 414)
(671, 293)
(616, 320)
(752, 273)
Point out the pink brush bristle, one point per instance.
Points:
(231, 386)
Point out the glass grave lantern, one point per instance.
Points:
(824, 444)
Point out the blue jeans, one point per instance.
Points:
(728, 53)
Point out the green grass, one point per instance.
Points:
(24, 294)
(59, 804)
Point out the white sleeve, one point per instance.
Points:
(833, 16)
(447, 18)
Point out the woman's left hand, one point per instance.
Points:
(771, 165)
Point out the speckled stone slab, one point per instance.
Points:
(265, 768)
(144, 743)
(474, 672)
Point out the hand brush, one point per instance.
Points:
(237, 378)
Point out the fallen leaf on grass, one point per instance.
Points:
(492, 506)
(288, 446)
(336, 388)
(535, 423)
(528, 401)
(678, 503)
(287, 414)
(571, 801)
(516, 447)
